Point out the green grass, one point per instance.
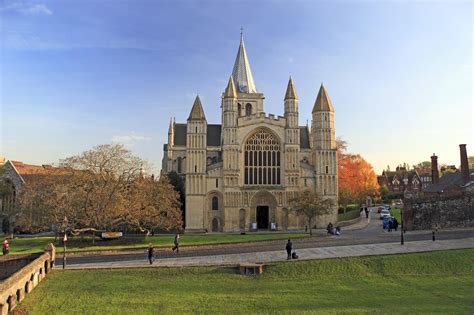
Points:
(395, 212)
(349, 215)
(37, 244)
(438, 282)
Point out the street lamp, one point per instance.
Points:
(65, 222)
(402, 238)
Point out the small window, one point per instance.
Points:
(248, 109)
(217, 182)
(324, 192)
(305, 183)
(196, 129)
(239, 109)
(195, 168)
(327, 169)
(215, 203)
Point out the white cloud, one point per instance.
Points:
(129, 139)
(23, 7)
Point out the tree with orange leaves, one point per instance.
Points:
(356, 177)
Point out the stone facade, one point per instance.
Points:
(245, 170)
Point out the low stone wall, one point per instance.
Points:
(14, 288)
(439, 212)
(9, 264)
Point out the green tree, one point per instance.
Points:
(311, 205)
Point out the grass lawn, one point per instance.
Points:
(32, 245)
(438, 282)
(395, 212)
(349, 215)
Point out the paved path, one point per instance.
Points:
(362, 233)
(280, 255)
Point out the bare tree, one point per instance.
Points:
(311, 205)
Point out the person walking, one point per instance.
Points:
(151, 253)
(176, 244)
(366, 212)
(395, 224)
(5, 247)
(289, 248)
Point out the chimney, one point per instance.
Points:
(434, 169)
(464, 163)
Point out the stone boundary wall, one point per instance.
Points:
(453, 211)
(14, 288)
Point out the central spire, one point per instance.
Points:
(242, 74)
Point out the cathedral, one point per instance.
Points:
(240, 175)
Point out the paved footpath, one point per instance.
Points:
(279, 256)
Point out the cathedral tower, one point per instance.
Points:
(324, 145)
(292, 136)
(196, 151)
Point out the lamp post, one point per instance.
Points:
(402, 237)
(65, 221)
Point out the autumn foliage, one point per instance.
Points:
(356, 177)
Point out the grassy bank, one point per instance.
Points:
(36, 244)
(438, 282)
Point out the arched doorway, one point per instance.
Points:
(263, 206)
(215, 225)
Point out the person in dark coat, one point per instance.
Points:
(395, 224)
(330, 228)
(289, 248)
(151, 253)
(366, 212)
(176, 243)
(390, 224)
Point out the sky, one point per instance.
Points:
(76, 74)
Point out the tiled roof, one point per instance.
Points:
(448, 180)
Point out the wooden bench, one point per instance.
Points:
(250, 269)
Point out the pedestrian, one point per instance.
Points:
(390, 224)
(5, 247)
(366, 213)
(176, 243)
(338, 230)
(289, 248)
(151, 253)
(330, 228)
(395, 224)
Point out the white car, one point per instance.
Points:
(384, 213)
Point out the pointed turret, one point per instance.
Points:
(241, 73)
(171, 133)
(230, 91)
(197, 112)
(323, 103)
(170, 128)
(291, 91)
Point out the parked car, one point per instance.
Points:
(387, 207)
(384, 213)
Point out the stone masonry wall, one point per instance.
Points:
(14, 288)
(439, 212)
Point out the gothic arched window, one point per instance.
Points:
(179, 161)
(239, 109)
(248, 109)
(262, 159)
(215, 203)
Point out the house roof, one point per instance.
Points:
(449, 180)
(400, 175)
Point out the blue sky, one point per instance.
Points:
(74, 74)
